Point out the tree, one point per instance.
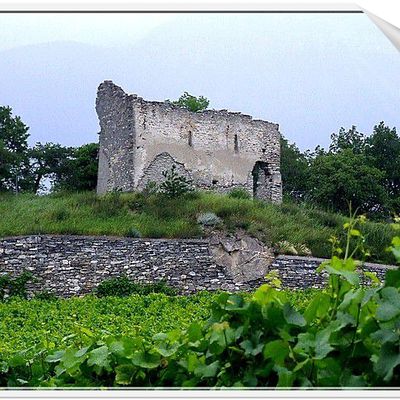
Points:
(351, 139)
(337, 179)
(294, 170)
(79, 171)
(14, 158)
(383, 147)
(48, 160)
(192, 103)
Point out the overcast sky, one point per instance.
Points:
(311, 73)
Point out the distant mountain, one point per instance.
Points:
(309, 73)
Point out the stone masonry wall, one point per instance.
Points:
(217, 149)
(75, 265)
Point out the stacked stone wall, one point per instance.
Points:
(75, 265)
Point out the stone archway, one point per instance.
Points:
(261, 180)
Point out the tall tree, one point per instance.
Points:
(351, 139)
(294, 170)
(14, 157)
(337, 179)
(48, 160)
(79, 172)
(383, 146)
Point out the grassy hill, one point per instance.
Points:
(156, 216)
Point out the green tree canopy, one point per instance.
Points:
(350, 139)
(337, 179)
(294, 170)
(383, 146)
(14, 158)
(79, 171)
(48, 160)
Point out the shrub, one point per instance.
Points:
(10, 287)
(208, 219)
(285, 247)
(239, 193)
(150, 189)
(45, 295)
(133, 233)
(175, 185)
(122, 286)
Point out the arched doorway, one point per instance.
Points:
(261, 180)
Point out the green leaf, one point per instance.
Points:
(318, 307)
(99, 357)
(3, 367)
(277, 350)
(385, 335)
(388, 304)
(81, 352)
(194, 332)
(55, 357)
(285, 377)
(292, 316)
(146, 360)
(250, 348)
(265, 294)
(392, 278)
(352, 296)
(70, 361)
(166, 349)
(123, 346)
(373, 277)
(322, 346)
(124, 374)
(388, 359)
(353, 381)
(207, 371)
(17, 360)
(351, 277)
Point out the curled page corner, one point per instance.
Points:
(392, 32)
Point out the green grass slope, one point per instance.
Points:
(156, 216)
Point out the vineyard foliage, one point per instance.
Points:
(347, 336)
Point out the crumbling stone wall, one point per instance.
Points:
(219, 150)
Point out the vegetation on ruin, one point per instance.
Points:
(155, 215)
(192, 103)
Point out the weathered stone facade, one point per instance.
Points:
(75, 265)
(217, 150)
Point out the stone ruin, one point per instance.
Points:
(217, 150)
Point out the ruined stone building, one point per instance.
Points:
(217, 150)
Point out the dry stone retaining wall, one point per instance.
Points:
(75, 265)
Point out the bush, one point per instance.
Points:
(239, 193)
(122, 286)
(285, 247)
(45, 295)
(11, 287)
(175, 185)
(208, 219)
(133, 233)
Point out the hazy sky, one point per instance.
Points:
(311, 73)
